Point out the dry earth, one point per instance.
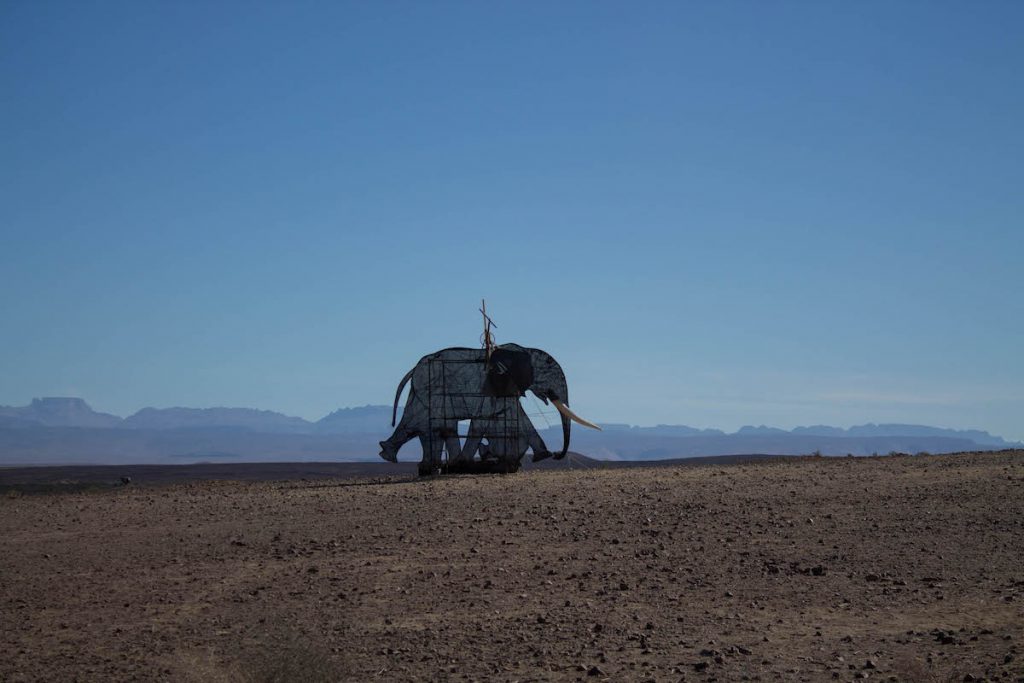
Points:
(816, 569)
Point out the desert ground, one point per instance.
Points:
(892, 568)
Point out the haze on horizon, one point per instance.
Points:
(711, 214)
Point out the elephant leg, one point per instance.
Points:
(540, 449)
(502, 446)
(433, 445)
(445, 437)
(476, 434)
(529, 438)
(450, 437)
(426, 467)
(409, 427)
(500, 443)
(454, 448)
(389, 448)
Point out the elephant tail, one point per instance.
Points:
(398, 395)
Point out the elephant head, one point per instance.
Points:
(523, 369)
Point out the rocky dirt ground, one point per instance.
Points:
(901, 568)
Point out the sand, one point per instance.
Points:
(896, 568)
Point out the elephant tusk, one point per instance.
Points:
(564, 410)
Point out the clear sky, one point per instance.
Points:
(712, 213)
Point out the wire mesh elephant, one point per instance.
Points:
(457, 384)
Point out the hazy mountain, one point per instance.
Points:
(265, 421)
(659, 430)
(58, 412)
(975, 435)
(62, 445)
(363, 420)
(819, 430)
(67, 430)
(748, 430)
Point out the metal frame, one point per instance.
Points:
(509, 410)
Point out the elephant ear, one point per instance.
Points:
(509, 373)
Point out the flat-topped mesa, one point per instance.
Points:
(61, 411)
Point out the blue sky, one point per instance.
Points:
(713, 214)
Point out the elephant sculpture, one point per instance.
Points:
(457, 384)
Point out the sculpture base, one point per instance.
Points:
(470, 467)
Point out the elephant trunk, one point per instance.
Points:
(566, 428)
(559, 394)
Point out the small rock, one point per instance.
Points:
(595, 671)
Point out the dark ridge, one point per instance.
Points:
(79, 478)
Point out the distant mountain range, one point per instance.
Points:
(68, 431)
(74, 412)
(860, 431)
